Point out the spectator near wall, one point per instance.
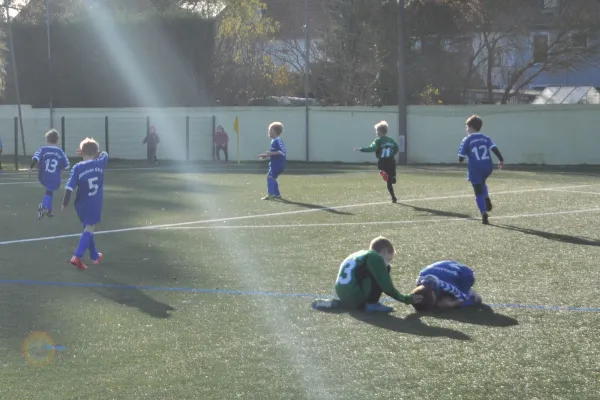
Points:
(151, 140)
(221, 143)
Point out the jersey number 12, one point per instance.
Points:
(484, 153)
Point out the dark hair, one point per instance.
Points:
(428, 298)
(475, 122)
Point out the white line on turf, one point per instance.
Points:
(576, 191)
(402, 222)
(276, 214)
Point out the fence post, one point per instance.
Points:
(212, 134)
(106, 134)
(62, 132)
(16, 143)
(187, 138)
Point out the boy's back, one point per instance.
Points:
(477, 148)
(52, 160)
(451, 272)
(88, 178)
(386, 147)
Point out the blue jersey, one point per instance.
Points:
(450, 278)
(477, 147)
(88, 178)
(277, 161)
(51, 161)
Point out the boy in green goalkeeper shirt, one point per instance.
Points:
(385, 149)
(363, 277)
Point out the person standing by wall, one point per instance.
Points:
(221, 143)
(151, 140)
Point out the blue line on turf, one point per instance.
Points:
(265, 294)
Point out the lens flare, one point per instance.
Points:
(39, 349)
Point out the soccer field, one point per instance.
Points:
(205, 290)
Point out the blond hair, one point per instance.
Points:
(52, 136)
(89, 146)
(276, 127)
(382, 127)
(380, 243)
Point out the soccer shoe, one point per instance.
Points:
(41, 211)
(488, 204)
(378, 307)
(97, 260)
(327, 304)
(484, 219)
(49, 213)
(394, 200)
(384, 175)
(76, 261)
(269, 197)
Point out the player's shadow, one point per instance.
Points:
(440, 213)
(315, 207)
(477, 315)
(407, 325)
(558, 237)
(130, 296)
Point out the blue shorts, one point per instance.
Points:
(274, 172)
(88, 216)
(479, 177)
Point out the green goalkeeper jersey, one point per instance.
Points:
(383, 146)
(354, 279)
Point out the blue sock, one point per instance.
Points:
(480, 200)
(270, 186)
(275, 187)
(93, 251)
(47, 200)
(485, 190)
(84, 244)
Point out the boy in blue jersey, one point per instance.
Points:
(452, 283)
(277, 156)
(476, 147)
(88, 177)
(51, 161)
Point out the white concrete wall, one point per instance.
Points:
(526, 134)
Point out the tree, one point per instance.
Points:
(502, 39)
(243, 68)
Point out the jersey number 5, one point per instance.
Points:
(345, 275)
(484, 153)
(93, 186)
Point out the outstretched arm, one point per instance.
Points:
(381, 276)
(369, 149)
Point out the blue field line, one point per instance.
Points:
(265, 294)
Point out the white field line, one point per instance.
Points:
(277, 214)
(401, 222)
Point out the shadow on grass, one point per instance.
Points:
(441, 213)
(131, 297)
(411, 326)
(479, 315)
(314, 207)
(558, 237)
